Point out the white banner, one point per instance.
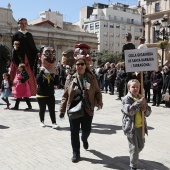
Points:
(141, 60)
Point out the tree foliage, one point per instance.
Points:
(107, 56)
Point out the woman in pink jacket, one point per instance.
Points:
(22, 88)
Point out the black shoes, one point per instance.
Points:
(118, 99)
(14, 108)
(85, 145)
(133, 168)
(27, 109)
(157, 105)
(75, 158)
(154, 104)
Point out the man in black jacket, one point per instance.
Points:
(128, 45)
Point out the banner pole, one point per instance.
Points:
(143, 118)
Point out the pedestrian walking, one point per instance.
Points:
(6, 89)
(132, 106)
(82, 82)
(25, 52)
(45, 90)
(22, 88)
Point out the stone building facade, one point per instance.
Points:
(44, 33)
(155, 11)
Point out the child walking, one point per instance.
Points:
(6, 89)
(22, 88)
(132, 106)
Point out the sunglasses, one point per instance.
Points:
(47, 53)
(80, 64)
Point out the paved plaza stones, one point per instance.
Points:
(24, 145)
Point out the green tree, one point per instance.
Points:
(107, 56)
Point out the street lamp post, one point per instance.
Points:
(164, 33)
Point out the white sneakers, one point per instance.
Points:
(55, 126)
(42, 124)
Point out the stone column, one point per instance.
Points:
(147, 30)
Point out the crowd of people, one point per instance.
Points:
(113, 76)
(81, 82)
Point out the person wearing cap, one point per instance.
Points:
(27, 53)
(4, 59)
(81, 82)
(45, 90)
(128, 45)
(142, 43)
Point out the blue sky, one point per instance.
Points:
(30, 9)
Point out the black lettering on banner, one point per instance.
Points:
(142, 65)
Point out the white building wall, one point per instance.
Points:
(113, 25)
(54, 17)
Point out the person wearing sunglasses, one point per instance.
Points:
(25, 52)
(82, 82)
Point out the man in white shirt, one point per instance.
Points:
(142, 43)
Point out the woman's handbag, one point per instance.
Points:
(166, 97)
(76, 111)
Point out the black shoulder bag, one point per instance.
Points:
(76, 109)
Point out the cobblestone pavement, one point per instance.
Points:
(24, 145)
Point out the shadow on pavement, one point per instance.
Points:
(3, 127)
(33, 100)
(122, 162)
(105, 128)
(32, 110)
(64, 129)
(102, 128)
(150, 128)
